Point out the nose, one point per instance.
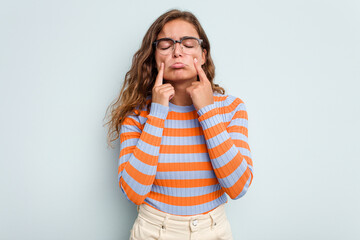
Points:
(177, 50)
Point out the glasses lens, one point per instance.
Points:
(190, 45)
(165, 46)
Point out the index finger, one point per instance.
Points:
(159, 77)
(200, 71)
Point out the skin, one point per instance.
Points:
(180, 85)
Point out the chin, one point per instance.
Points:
(179, 76)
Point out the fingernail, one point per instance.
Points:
(195, 60)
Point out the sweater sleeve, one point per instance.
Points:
(139, 153)
(228, 147)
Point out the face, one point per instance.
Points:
(184, 69)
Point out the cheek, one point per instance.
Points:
(159, 59)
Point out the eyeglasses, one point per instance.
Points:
(189, 45)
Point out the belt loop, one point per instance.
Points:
(163, 226)
(213, 222)
(165, 222)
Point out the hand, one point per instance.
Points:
(201, 91)
(162, 93)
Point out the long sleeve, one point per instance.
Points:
(228, 147)
(139, 153)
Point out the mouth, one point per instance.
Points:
(178, 65)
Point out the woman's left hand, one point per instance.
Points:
(200, 92)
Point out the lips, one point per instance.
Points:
(178, 65)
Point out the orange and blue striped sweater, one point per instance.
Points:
(183, 161)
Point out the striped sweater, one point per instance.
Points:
(183, 161)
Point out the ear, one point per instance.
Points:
(203, 57)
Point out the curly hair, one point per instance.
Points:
(139, 80)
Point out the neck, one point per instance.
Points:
(181, 97)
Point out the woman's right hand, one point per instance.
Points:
(162, 93)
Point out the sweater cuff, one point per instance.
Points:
(205, 109)
(158, 110)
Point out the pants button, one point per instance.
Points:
(195, 222)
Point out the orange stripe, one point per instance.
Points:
(131, 121)
(214, 130)
(121, 167)
(151, 139)
(183, 132)
(209, 114)
(232, 106)
(146, 158)
(155, 121)
(186, 201)
(220, 98)
(241, 143)
(220, 149)
(248, 160)
(184, 166)
(197, 148)
(186, 183)
(240, 114)
(230, 167)
(236, 189)
(128, 135)
(126, 150)
(239, 129)
(182, 116)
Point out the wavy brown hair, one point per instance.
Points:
(139, 80)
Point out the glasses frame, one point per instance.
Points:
(200, 41)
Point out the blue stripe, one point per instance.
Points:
(149, 149)
(153, 130)
(238, 122)
(129, 142)
(192, 140)
(143, 167)
(129, 128)
(190, 123)
(245, 152)
(238, 136)
(186, 157)
(136, 186)
(185, 192)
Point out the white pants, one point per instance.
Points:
(154, 224)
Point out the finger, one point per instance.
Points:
(159, 77)
(164, 89)
(189, 89)
(169, 91)
(172, 95)
(200, 71)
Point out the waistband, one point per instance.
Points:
(166, 220)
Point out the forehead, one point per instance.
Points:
(177, 29)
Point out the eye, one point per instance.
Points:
(190, 43)
(164, 44)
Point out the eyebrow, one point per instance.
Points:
(179, 39)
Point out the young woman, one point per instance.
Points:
(184, 143)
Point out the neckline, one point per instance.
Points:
(179, 108)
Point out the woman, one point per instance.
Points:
(183, 141)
